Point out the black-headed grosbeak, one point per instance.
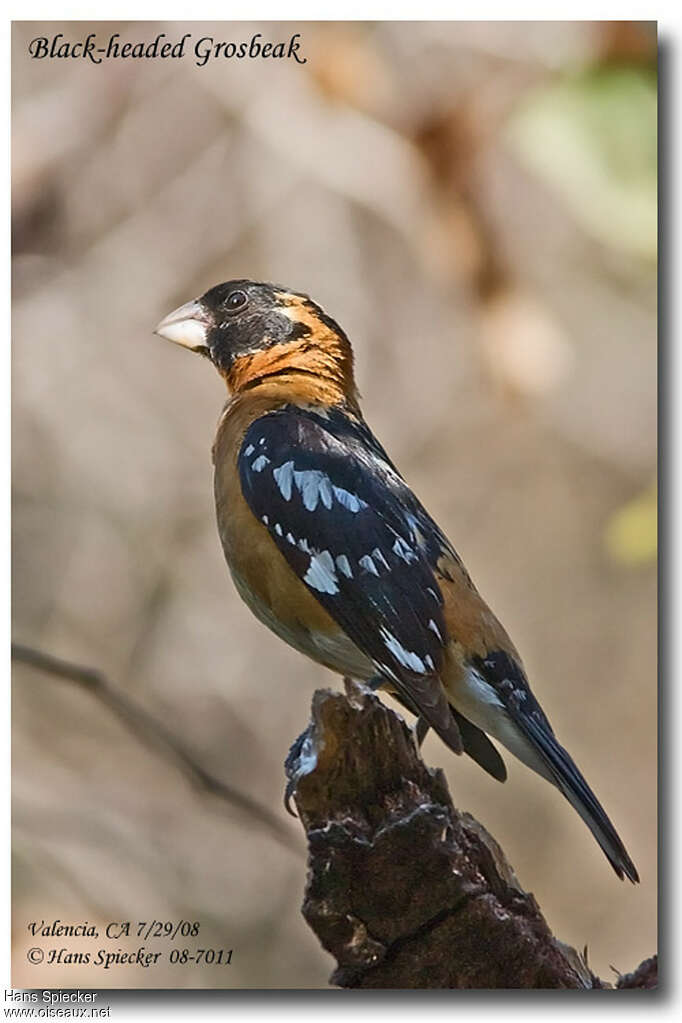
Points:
(330, 548)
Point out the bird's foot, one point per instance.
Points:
(288, 793)
(297, 763)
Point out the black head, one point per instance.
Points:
(242, 317)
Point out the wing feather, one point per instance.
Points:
(353, 532)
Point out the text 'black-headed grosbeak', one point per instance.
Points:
(330, 548)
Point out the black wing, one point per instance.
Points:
(353, 532)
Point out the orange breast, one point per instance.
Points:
(261, 574)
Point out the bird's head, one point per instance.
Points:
(254, 332)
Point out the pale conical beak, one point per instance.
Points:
(187, 326)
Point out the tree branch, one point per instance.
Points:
(155, 736)
(404, 890)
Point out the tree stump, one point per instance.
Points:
(403, 889)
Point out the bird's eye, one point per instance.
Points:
(235, 300)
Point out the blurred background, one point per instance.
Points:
(475, 198)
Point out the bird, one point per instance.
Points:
(329, 547)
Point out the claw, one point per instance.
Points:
(288, 793)
(292, 769)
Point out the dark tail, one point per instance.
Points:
(570, 781)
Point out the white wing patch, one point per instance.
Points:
(284, 478)
(325, 529)
(404, 551)
(434, 628)
(378, 556)
(405, 657)
(343, 565)
(351, 502)
(367, 563)
(314, 486)
(321, 574)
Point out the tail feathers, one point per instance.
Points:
(480, 748)
(428, 702)
(427, 694)
(571, 783)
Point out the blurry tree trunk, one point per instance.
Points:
(404, 890)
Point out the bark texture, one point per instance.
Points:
(403, 889)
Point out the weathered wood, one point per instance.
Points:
(403, 889)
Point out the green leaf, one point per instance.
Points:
(593, 138)
(631, 533)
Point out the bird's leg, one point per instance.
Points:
(421, 727)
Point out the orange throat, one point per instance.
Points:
(317, 367)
